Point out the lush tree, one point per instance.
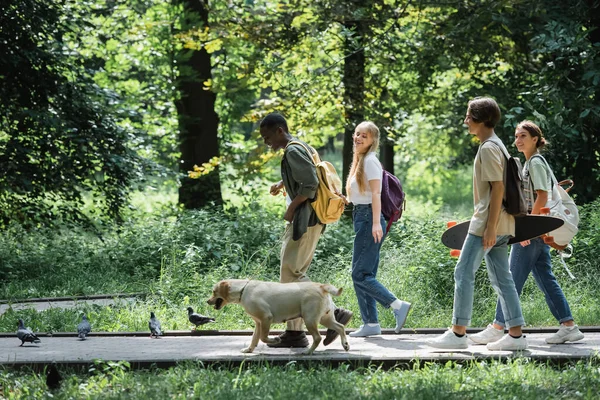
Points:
(539, 59)
(58, 140)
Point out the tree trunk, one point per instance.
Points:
(198, 121)
(387, 152)
(354, 89)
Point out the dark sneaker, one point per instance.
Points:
(291, 339)
(343, 317)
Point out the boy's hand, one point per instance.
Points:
(489, 238)
(289, 215)
(276, 188)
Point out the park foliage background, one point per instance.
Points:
(106, 106)
(131, 161)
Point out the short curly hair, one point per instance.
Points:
(274, 121)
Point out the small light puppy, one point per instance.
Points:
(272, 302)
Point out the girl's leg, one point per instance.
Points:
(365, 261)
(546, 281)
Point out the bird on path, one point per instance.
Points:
(154, 325)
(84, 328)
(53, 377)
(198, 319)
(25, 334)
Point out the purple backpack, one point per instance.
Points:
(392, 199)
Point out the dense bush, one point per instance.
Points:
(135, 254)
(587, 241)
(176, 258)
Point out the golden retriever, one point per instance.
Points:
(272, 302)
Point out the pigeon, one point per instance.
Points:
(53, 377)
(154, 325)
(84, 328)
(25, 334)
(198, 319)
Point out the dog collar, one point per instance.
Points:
(242, 291)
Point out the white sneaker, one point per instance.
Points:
(366, 330)
(488, 335)
(508, 343)
(449, 340)
(400, 315)
(565, 334)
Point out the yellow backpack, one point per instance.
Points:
(328, 204)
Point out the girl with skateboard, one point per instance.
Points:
(533, 256)
(364, 191)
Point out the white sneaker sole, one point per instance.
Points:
(568, 338)
(448, 347)
(478, 340)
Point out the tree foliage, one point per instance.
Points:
(91, 90)
(58, 139)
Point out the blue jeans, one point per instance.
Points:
(535, 258)
(496, 260)
(365, 261)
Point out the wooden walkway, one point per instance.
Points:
(224, 347)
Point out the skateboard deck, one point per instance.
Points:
(527, 227)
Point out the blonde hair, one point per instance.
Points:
(358, 159)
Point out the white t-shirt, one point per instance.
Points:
(373, 170)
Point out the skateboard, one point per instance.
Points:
(527, 227)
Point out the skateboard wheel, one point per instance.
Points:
(548, 239)
(450, 224)
(545, 210)
(454, 253)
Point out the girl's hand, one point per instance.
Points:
(377, 232)
(343, 198)
(525, 243)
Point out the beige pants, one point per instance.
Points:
(295, 260)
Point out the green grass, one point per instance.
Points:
(517, 379)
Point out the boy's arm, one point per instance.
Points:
(489, 234)
(304, 173)
(289, 213)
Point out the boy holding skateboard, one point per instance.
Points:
(489, 231)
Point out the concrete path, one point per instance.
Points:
(387, 349)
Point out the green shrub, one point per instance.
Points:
(177, 256)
